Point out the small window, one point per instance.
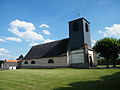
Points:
(75, 26)
(32, 62)
(50, 61)
(86, 27)
(26, 62)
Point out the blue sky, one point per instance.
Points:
(24, 23)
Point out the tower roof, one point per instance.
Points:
(79, 19)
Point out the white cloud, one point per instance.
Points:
(93, 42)
(2, 40)
(113, 31)
(22, 24)
(36, 43)
(33, 44)
(47, 40)
(44, 26)
(13, 39)
(4, 52)
(28, 33)
(100, 32)
(46, 32)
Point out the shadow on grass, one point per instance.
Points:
(111, 82)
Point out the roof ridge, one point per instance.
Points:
(50, 42)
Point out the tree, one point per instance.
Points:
(20, 57)
(109, 48)
(114, 51)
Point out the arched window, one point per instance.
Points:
(26, 62)
(75, 26)
(50, 61)
(86, 27)
(32, 62)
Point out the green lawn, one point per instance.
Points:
(60, 79)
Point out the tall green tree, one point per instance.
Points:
(109, 48)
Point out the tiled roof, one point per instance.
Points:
(12, 60)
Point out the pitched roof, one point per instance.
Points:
(79, 19)
(12, 60)
(52, 49)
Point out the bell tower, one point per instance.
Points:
(79, 33)
(81, 53)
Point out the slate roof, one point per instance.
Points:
(52, 49)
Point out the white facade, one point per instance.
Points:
(12, 68)
(77, 56)
(90, 54)
(10, 65)
(92, 58)
(44, 62)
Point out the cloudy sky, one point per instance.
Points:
(24, 23)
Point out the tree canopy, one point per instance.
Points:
(109, 48)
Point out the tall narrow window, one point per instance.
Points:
(50, 61)
(86, 27)
(26, 62)
(75, 26)
(32, 62)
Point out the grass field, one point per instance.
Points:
(60, 79)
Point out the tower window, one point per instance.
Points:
(86, 27)
(32, 62)
(75, 26)
(50, 61)
(26, 62)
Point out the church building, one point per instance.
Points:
(75, 51)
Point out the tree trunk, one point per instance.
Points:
(107, 63)
(114, 65)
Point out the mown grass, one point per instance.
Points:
(60, 79)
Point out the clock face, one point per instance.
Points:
(75, 26)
